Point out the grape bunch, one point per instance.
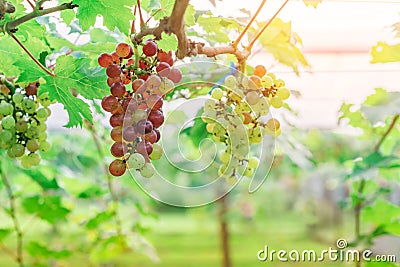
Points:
(238, 115)
(23, 116)
(138, 84)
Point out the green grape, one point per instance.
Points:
(249, 172)
(136, 161)
(42, 136)
(44, 146)
(139, 114)
(253, 162)
(157, 152)
(255, 135)
(8, 122)
(34, 159)
(217, 94)
(147, 171)
(21, 126)
(26, 162)
(218, 130)
(267, 82)
(230, 81)
(18, 150)
(29, 105)
(241, 169)
(166, 86)
(5, 136)
(283, 93)
(262, 107)
(276, 102)
(240, 150)
(231, 180)
(32, 145)
(6, 109)
(42, 127)
(44, 100)
(210, 127)
(209, 117)
(17, 98)
(279, 83)
(272, 76)
(252, 97)
(245, 82)
(32, 133)
(41, 114)
(11, 153)
(209, 105)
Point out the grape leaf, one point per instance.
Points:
(380, 105)
(189, 16)
(4, 233)
(165, 9)
(48, 208)
(383, 53)
(116, 14)
(313, 3)
(38, 250)
(168, 42)
(381, 213)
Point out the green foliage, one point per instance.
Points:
(383, 53)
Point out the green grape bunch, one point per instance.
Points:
(23, 115)
(238, 114)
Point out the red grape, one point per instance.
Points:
(175, 75)
(116, 120)
(163, 69)
(158, 134)
(150, 48)
(154, 102)
(144, 127)
(151, 137)
(142, 64)
(116, 58)
(123, 50)
(109, 103)
(118, 89)
(144, 147)
(119, 149)
(129, 134)
(117, 167)
(156, 117)
(113, 71)
(138, 86)
(105, 60)
(31, 89)
(110, 81)
(116, 134)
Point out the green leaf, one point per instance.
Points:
(372, 162)
(116, 14)
(4, 233)
(92, 192)
(99, 219)
(198, 131)
(190, 16)
(354, 118)
(48, 208)
(313, 3)
(164, 10)
(68, 16)
(40, 178)
(381, 213)
(383, 53)
(38, 250)
(168, 42)
(380, 105)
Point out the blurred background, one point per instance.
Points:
(307, 201)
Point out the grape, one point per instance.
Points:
(217, 94)
(29, 105)
(44, 100)
(105, 60)
(136, 161)
(116, 134)
(116, 120)
(41, 127)
(144, 147)
(117, 167)
(253, 162)
(175, 75)
(26, 162)
(151, 137)
(31, 89)
(6, 109)
(113, 71)
(8, 122)
(163, 69)
(255, 135)
(129, 134)
(154, 102)
(254, 83)
(283, 93)
(273, 124)
(44, 146)
(123, 50)
(158, 134)
(18, 150)
(17, 98)
(225, 157)
(260, 70)
(166, 86)
(118, 149)
(150, 48)
(249, 172)
(118, 89)
(138, 86)
(252, 97)
(32, 145)
(108, 103)
(230, 81)
(156, 117)
(42, 136)
(279, 83)
(139, 114)
(276, 102)
(144, 127)
(267, 82)
(157, 152)
(210, 127)
(41, 114)
(116, 58)
(147, 171)
(153, 82)
(262, 107)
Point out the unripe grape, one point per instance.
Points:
(147, 171)
(283, 93)
(32, 145)
(44, 146)
(267, 82)
(34, 159)
(8, 122)
(217, 94)
(276, 102)
(17, 98)
(6, 109)
(157, 152)
(253, 162)
(18, 150)
(136, 161)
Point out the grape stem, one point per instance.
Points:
(31, 56)
(140, 14)
(13, 214)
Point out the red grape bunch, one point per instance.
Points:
(23, 116)
(138, 84)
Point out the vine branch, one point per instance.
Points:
(378, 145)
(19, 257)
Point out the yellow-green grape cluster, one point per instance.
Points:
(236, 116)
(23, 116)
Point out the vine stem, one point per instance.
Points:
(255, 38)
(13, 214)
(140, 14)
(31, 56)
(31, 4)
(235, 44)
(110, 185)
(359, 206)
